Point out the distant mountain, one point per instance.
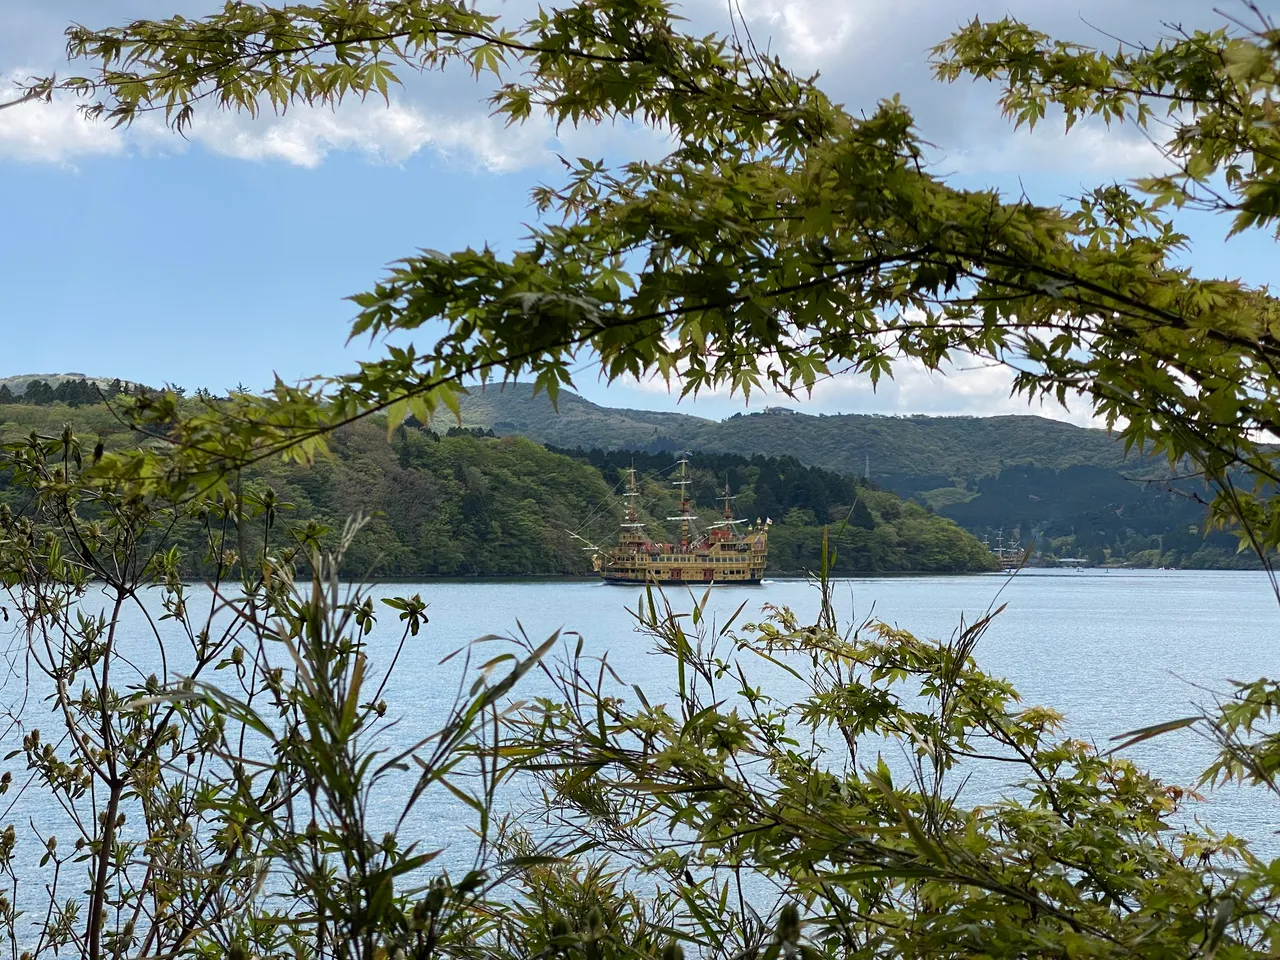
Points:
(1069, 489)
(892, 449)
(576, 422)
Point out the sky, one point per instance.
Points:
(224, 259)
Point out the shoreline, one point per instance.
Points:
(781, 577)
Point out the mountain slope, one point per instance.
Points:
(1068, 488)
(465, 505)
(947, 448)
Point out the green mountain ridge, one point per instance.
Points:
(464, 505)
(1070, 489)
(915, 446)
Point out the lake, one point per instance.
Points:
(1113, 651)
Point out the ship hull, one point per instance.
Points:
(664, 581)
(730, 566)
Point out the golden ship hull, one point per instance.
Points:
(737, 561)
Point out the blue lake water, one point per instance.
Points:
(1113, 651)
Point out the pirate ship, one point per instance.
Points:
(729, 551)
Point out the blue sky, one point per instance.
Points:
(225, 259)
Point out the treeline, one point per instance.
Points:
(764, 487)
(74, 393)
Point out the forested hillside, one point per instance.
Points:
(894, 447)
(1064, 488)
(464, 504)
(1096, 514)
(1069, 490)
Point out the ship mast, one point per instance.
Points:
(632, 525)
(728, 512)
(685, 516)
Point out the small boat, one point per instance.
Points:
(723, 554)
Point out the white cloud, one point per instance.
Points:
(37, 132)
(961, 388)
(304, 136)
(811, 29)
(1092, 150)
(964, 387)
(57, 132)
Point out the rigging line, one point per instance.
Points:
(598, 509)
(655, 475)
(644, 505)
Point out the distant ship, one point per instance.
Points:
(1008, 556)
(720, 555)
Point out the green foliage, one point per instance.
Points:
(217, 765)
(725, 818)
(1212, 96)
(448, 506)
(781, 239)
(724, 791)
